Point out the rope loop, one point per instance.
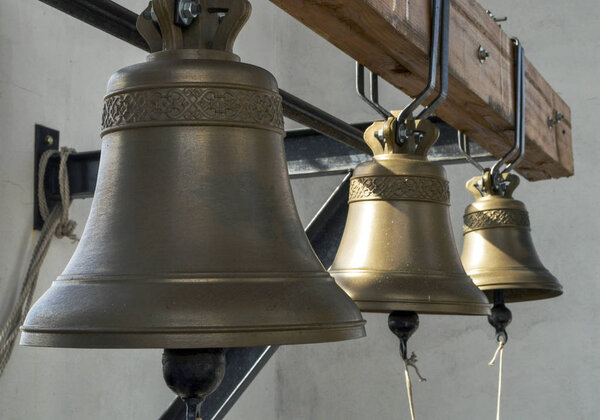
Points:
(66, 227)
(57, 223)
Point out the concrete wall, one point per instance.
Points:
(53, 71)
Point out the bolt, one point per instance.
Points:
(482, 54)
(188, 11)
(553, 121)
(48, 140)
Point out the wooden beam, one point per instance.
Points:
(391, 37)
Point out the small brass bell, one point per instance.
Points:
(398, 252)
(193, 240)
(498, 252)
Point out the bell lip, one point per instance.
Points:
(475, 302)
(424, 307)
(534, 284)
(62, 325)
(36, 337)
(523, 292)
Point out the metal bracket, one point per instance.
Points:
(438, 51)
(496, 172)
(373, 99)
(519, 146)
(45, 139)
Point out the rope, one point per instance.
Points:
(55, 223)
(411, 361)
(66, 226)
(409, 390)
(499, 351)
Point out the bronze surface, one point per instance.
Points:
(398, 251)
(498, 251)
(193, 240)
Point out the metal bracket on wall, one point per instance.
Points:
(45, 139)
(82, 169)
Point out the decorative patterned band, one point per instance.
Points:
(399, 187)
(193, 105)
(494, 218)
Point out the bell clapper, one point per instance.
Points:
(193, 374)
(403, 324)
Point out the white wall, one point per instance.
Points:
(53, 71)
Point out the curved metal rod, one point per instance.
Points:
(433, 62)
(463, 145)
(444, 52)
(373, 100)
(519, 145)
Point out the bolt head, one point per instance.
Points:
(482, 54)
(48, 140)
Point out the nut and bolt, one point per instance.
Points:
(188, 10)
(553, 121)
(48, 140)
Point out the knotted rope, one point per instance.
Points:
(411, 361)
(499, 351)
(56, 223)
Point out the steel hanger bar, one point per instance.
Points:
(465, 147)
(444, 53)
(519, 145)
(373, 99)
(433, 63)
(518, 148)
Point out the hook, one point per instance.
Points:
(373, 99)
(440, 34)
(495, 18)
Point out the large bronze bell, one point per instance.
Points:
(398, 251)
(498, 252)
(193, 240)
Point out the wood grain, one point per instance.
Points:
(391, 37)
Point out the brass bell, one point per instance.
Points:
(193, 240)
(398, 252)
(498, 252)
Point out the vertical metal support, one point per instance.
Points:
(45, 139)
